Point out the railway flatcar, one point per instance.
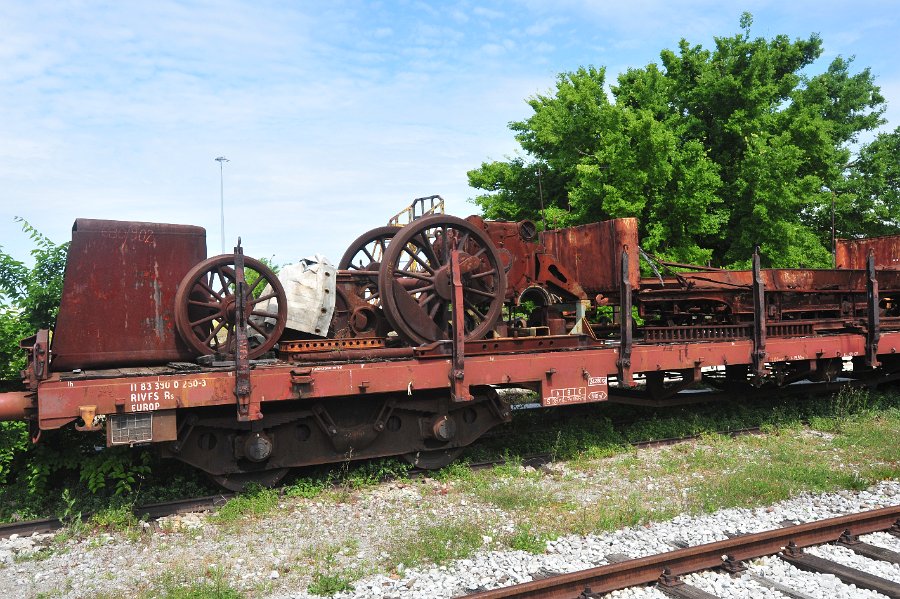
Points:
(400, 349)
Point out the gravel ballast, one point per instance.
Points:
(278, 555)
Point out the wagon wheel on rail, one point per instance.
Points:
(416, 285)
(205, 306)
(237, 481)
(432, 459)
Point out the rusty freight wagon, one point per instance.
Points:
(401, 349)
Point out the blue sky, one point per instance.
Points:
(333, 114)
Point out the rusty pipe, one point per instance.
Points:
(15, 405)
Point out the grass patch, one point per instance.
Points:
(328, 575)
(612, 514)
(525, 538)
(438, 543)
(712, 473)
(327, 584)
(182, 584)
(307, 488)
(251, 503)
(34, 556)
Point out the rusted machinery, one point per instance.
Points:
(418, 327)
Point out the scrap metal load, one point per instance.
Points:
(400, 349)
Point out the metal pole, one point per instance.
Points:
(221, 160)
(541, 195)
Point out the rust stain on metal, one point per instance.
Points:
(851, 253)
(592, 253)
(118, 296)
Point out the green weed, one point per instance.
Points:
(253, 502)
(183, 584)
(306, 488)
(327, 584)
(524, 538)
(438, 543)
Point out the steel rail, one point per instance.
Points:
(149, 511)
(611, 577)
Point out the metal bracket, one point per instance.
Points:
(459, 391)
(758, 355)
(625, 325)
(873, 330)
(248, 410)
(848, 539)
(386, 410)
(37, 347)
(732, 565)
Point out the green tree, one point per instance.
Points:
(869, 200)
(29, 300)
(29, 296)
(715, 152)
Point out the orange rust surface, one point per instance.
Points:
(562, 377)
(851, 253)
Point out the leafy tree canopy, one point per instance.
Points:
(714, 151)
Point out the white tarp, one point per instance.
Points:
(310, 289)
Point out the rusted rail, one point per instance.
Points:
(149, 511)
(611, 577)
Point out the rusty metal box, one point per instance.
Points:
(593, 252)
(851, 253)
(118, 301)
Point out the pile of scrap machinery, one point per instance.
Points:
(402, 348)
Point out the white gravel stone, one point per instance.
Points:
(271, 552)
(882, 539)
(846, 557)
(814, 585)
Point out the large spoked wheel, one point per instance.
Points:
(205, 306)
(367, 251)
(366, 254)
(416, 283)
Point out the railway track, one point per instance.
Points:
(149, 511)
(665, 570)
(213, 502)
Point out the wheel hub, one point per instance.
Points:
(443, 283)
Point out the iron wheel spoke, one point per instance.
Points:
(263, 298)
(414, 275)
(428, 250)
(202, 283)
(205, 319)
(259, 330)
(480, 292)
(481, 275)
(215, 331)
(472, 307)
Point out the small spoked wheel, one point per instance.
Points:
(416, 280)
(206, 306)
(364, 256)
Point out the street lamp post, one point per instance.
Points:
(221, 160)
